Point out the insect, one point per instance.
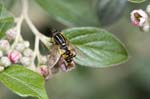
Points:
(61, 52)
(137, 16)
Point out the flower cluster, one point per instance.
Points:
(141, 18)
(14, 53)
(15, 50)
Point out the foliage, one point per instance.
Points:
(95, 47)
(24, 82)
(136, 1)
(6, 20)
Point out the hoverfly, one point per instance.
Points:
(137, 16)
(61, 53)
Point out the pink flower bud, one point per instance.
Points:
(44, 71)
(4, 45)
(11, 34)
(14, 56)
(138, 17)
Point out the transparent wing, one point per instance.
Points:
(54, 56)
(77, 51)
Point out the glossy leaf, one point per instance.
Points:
(136, 1)
(71, 12)
(96, 47)
(6, 20)
(24, 82)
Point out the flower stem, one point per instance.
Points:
(38, 35)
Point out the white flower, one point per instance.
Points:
(145, 28)
(138, 17)
(4, 45)
(5, 61)
(43, 59)
(28, 53)
(11, 34)
(26, 44)
(20, 47)
(26, 61)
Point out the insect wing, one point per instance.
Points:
(54, 56)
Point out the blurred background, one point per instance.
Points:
(130, 80)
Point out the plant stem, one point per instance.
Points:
(38, 35)
(18, 30)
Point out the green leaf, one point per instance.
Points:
(136, 1)
(71, 12)
(96, 47)
(6, 20)
(110, 11)
(24, 82)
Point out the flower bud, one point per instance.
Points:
(145, 28)
(20, 47)
(1, 68)
(26, 61)
(4, 45)
(4, 61)
(28, 53)
(14, 56)
(11, 34)
(1, 53)
(138, 17)
(44, 71)
(43, 59)
(148, 9)
(26, 44)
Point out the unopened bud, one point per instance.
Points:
(5, 61)
(26, 61)
(14, 56)
(20, 47)
(146, 28)
(44, 71)
(43, 59)
(4, 45)
(148, 9)
(11, 34)
(28, 53)
(26, 44)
